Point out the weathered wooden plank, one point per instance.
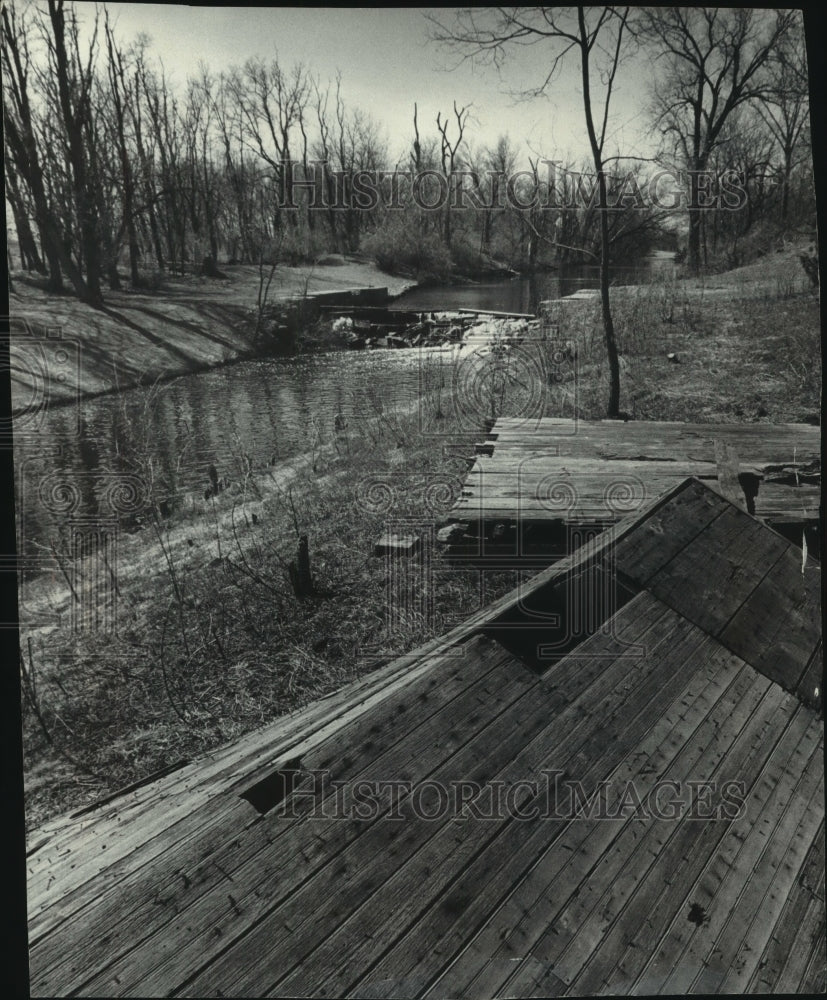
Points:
(428, 711)
(658, 909)
(790, 943)
(807, 941)
(560, 732)
(540, 955)
(528, 455)
(649, 962)
(228, 763)
(726, 460)
(756, 457)
(205, 926)
(778, 627)
(811, 686)
(710, 580)
(734, 957)
(431, 690)
(722, 886)
(237, 973)
(534, 469)
(814, 983)
(494, 312)
(597, 917)
(450, 921)
(151, 826)
(783, 443)
(666, 532)
(687, 731)
(788, 504)
(532, 893)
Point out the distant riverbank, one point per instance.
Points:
(63, 349)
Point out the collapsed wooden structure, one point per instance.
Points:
(679, 649)
(586, 472)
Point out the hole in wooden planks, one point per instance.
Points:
(798, 532)
(273, 789)
(697, 915)
(554, 620)
(750, 484)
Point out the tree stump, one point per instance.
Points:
(300, 575)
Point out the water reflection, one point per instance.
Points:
(524, 294)
(256, 411)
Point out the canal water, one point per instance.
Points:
(525, 293)
(255, 413)
(250, 415)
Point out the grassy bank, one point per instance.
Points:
(212, 641)
(746, 346)
(187, 324)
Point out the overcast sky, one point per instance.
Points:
(387, 63)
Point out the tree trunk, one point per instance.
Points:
(300, 576)
(613, 407)
(112, 275)
(785, 191)
(30, 258)
(73, 118)
(693, 252)
(146, 177)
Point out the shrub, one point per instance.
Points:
(150, 281)
(466, 256)
(400, 246)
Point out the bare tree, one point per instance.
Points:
(122, 97)
(596, 36)
(30, 258)
(21, 136)
(238, 172)
(74, 86)
(714, 61)
(271, 102)
(448, 154)
(495, 164)
(785, 105)
(146, 155)
(202, 188)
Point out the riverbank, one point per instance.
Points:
(211, 640)
(743, 345)
(63, 349)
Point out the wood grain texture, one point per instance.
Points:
(527, 463)
(703, 672)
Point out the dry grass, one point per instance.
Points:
(747, 347)
(211, 640)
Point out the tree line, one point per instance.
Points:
(721, 75)
(108, 166)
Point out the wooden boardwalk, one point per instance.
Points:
(698, 661)
(587, 472)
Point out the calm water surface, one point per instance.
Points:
(258, 412)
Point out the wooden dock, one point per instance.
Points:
(699, 660)
(594, 472)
